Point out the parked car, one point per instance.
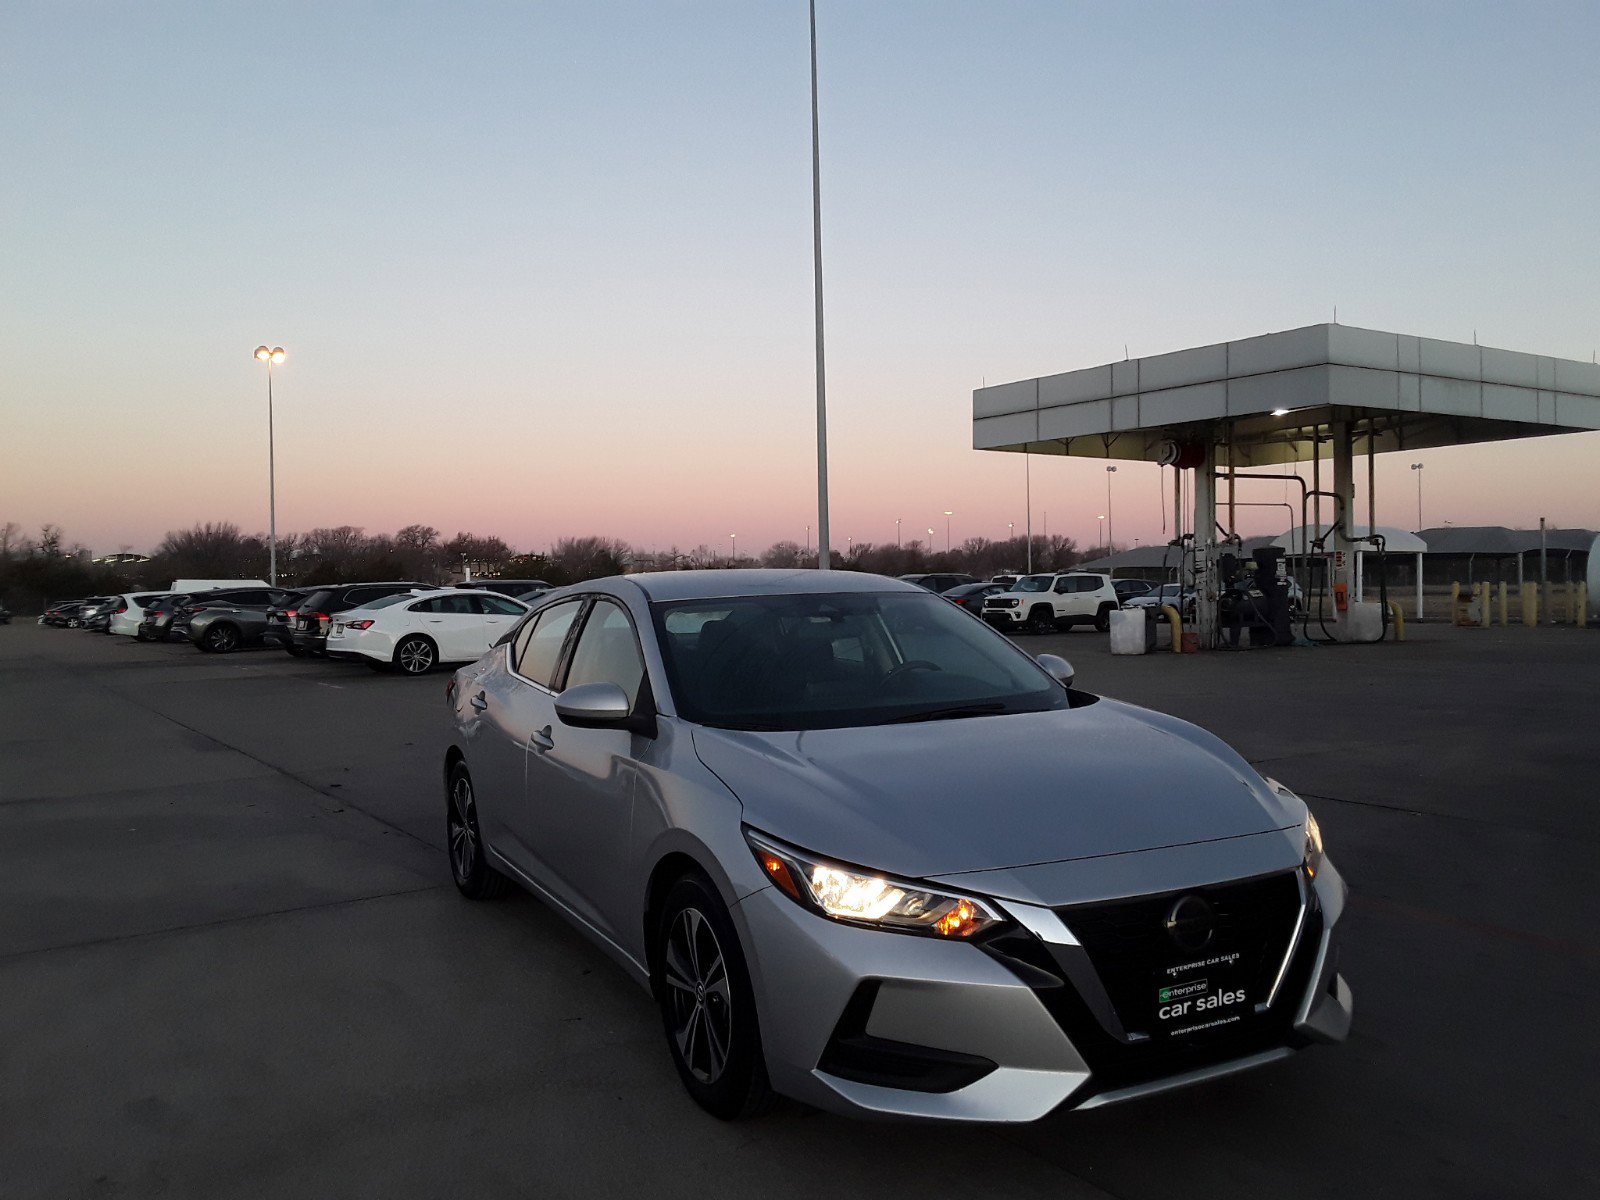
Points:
(256, 599)
(941, 581)
(93, 613)
(155, 623)
(508, 587)
(1005, 581)
(5, 614)
(754, 791)
(62, 614)
(971, 596)
(128, 612)
(1044, 603)
(415, 633)
(220, 622)
(308, 629)
(1127, 589)
(1173, 595)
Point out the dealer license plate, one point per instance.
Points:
(1204, 994)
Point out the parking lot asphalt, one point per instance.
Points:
(232, 963)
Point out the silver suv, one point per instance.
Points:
(1046, 603)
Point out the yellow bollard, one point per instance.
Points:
(1504, 612)
(1530, 604)
(1485, 609)
(1176, 622)
(1397, 618)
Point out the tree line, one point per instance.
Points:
(36, 569)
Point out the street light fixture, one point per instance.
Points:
(1417, 467)
(271, 357)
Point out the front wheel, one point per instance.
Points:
(415, 656)
(1102, 619)
(1041, 619)
(707, 1005)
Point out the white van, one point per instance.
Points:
(206, 585)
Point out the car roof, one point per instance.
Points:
(706, 585)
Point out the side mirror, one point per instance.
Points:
(602, 706)
(1054, 665)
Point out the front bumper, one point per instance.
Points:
(869, 1023)
(1005, 618)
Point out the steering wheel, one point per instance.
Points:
(915, 664)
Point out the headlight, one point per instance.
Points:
(859, 897)
(1313, 849)
(1313, 845)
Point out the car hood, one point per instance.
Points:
(985, 793)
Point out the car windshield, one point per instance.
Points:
(832, 661)
(1033, 583)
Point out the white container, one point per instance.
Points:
(1128, 634)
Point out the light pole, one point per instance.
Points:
(897, 533)
(1102, 529)
(1417, 467)
(1011, 531)
(734, 538)
(1110, 471)
(930, 539)
(947, 515)
(816, 254)
(271, 357)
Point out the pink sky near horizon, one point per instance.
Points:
(547, 272)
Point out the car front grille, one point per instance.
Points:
(1128, 943)
(1008, 602)
(1124, 944)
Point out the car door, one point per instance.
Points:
(515, 708)
(454, 624)
(581, 785)
(499, 615)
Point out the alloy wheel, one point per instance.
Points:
(222, 639)
(416, 656)
(701, 1000)
(463, 829)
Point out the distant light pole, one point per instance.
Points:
(734, 538)
(1110, 471)
(897, 533)
(1011, 531)
(1103, 529)
(930, 537)
(271, 358)
(947, 515)
(808, 539)
(816, 250)
(849, 546)
(1417, 467)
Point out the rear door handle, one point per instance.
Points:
(540, 742)
(480, 702)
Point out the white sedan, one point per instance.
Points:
(415, 631)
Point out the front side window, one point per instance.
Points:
(537, 650)
(607, 651)
(498, 606)
(831, 661)
(1033, 583)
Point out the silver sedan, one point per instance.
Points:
(865, 852)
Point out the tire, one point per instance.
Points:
(1102, 619)
(702, 988)
(1041, 619)
(220, 639)
(469, 865)
(415, 655)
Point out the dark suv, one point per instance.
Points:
(515, 588)
(308, 629)
(939, 581)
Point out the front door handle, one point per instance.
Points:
(541, 741)
(480, 702)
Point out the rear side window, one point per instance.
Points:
(496, 606)
(537, 651)
(456, 605)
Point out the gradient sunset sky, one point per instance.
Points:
(545, 269)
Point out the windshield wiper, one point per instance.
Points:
(953, 713)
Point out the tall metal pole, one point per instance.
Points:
(272, 489)
(822, 381)
(1027, 485)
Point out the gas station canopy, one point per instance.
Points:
(1275, 398)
